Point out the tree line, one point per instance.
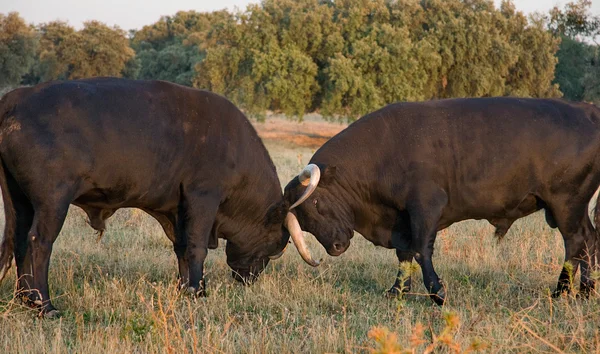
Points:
(342, 58)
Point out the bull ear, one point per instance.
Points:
(276, 214)
(328, 175)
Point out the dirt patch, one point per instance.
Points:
(310, 133)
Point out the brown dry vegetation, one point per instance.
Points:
(119, 295)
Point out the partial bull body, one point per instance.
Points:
(400, 174)
(189, 158)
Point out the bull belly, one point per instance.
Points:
(488, 210)
(114, 199)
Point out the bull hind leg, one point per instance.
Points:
(47, 222)
(24, 215)
(168, 223)
(580, 247)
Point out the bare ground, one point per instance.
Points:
(311, 133)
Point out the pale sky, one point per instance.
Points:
(134, 14)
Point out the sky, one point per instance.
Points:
(134, 14)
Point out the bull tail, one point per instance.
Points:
(10, 225)
(8, 243)
(596, 247)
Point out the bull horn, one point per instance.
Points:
(279, 254)
(291, 223)
(309, 177)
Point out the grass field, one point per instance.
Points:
(119, 295)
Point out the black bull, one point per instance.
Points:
(189, 158)
(400, 174)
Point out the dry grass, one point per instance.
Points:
(119, 296)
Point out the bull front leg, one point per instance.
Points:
(403, 280)
(200, 212)
(425, 208)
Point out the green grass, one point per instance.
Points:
(119, 295)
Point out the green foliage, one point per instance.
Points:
(367, 53)
(96, 50)
(591, 80)
(17, 49)
(170, 48)
(51, 64)
(173, 63)
(267, 58)
(285, 79)
(533, 73)
(341, 58)
(577, 71)
(575, 20)
(573, 62)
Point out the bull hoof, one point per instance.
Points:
(51, 314)
(585, 290)
(439, 297)
(32, 304)
(559, 292)
(393, 293)
(584, 293)
(196, 293)
(396, 292)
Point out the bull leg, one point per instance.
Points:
(200, 212)
(397, 288)
(425, 212)
(576, 255)
(24, 212)
(168, 223)
(47, 222)
(180, 248)
(580, 248)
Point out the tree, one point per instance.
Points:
(572, 67)
(170, 48)
(227, 66)
(285, 80)
(591, 80)
(96, 50)
(533, 73)
(49, 63)
(574, 21)
(577, 68)
(17, 49)
(345, 58)
(173, 63)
